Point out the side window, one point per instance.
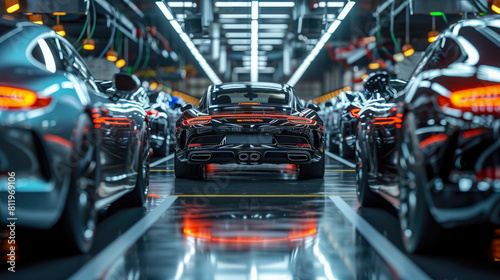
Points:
(423, 61)
(72, 62)
(48, 54)
(444, 56)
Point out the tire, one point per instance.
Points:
(366, 196)
(188, 171)
(344, 150)
(79, 218)
(137, 197)
(419, 231)
(313, 170)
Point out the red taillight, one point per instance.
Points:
(303, 145)
(16, 98)
(433, 139)
(301, 120)
(152, 112)
(480, 99)
(476, 97)
(354, 113)
(388, 120)
(194, 145)
(198, 120)
(114, 121)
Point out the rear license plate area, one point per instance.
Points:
(249, 139)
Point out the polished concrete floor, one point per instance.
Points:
(250, 222)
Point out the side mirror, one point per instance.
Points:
(187, 106)
(313, 106)
(126, 82)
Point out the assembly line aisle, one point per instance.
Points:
(256, 222)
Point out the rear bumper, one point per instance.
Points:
(245, 154)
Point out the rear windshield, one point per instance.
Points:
(249, 97)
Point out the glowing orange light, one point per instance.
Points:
(16, 98)
(480, 97)
(388, 120)
(89, 45)
(115, 121)
(112, 55)
(202, 234)
(408, 50)
(432, 36)
(354, 113)
(495, 7)
(433, 139)
(59, 29)
(59, 13)
(250, 120)
(36, 19)
(374, 65)
(11, 6)
(120, 63)
(198, 120)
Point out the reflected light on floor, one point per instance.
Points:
(495, 247)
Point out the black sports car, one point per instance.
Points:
(67, 147)
(159, 101)
(343, 120)
(158, 120)
(249, 123)
(448, 148)
(376, 133)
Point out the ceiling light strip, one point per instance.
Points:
(321, 43)
(254, 44)
(285, 4)
(201, 60)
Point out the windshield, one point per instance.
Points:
(249, 97)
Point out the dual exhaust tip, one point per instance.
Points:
(249, 157)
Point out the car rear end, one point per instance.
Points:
(34, 144)
(251, 138)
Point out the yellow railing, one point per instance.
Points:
(328, 96)
(187, 98)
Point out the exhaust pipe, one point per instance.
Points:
(298, 157)
(201, 157)
(243, 156)
(254, 157)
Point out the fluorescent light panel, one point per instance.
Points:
(248, 26)
(331, 4)
(180, 4)
(263, 16)
(254, 46)
(201, 60)
(221, 4)
(321, 43)
(261, 35)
